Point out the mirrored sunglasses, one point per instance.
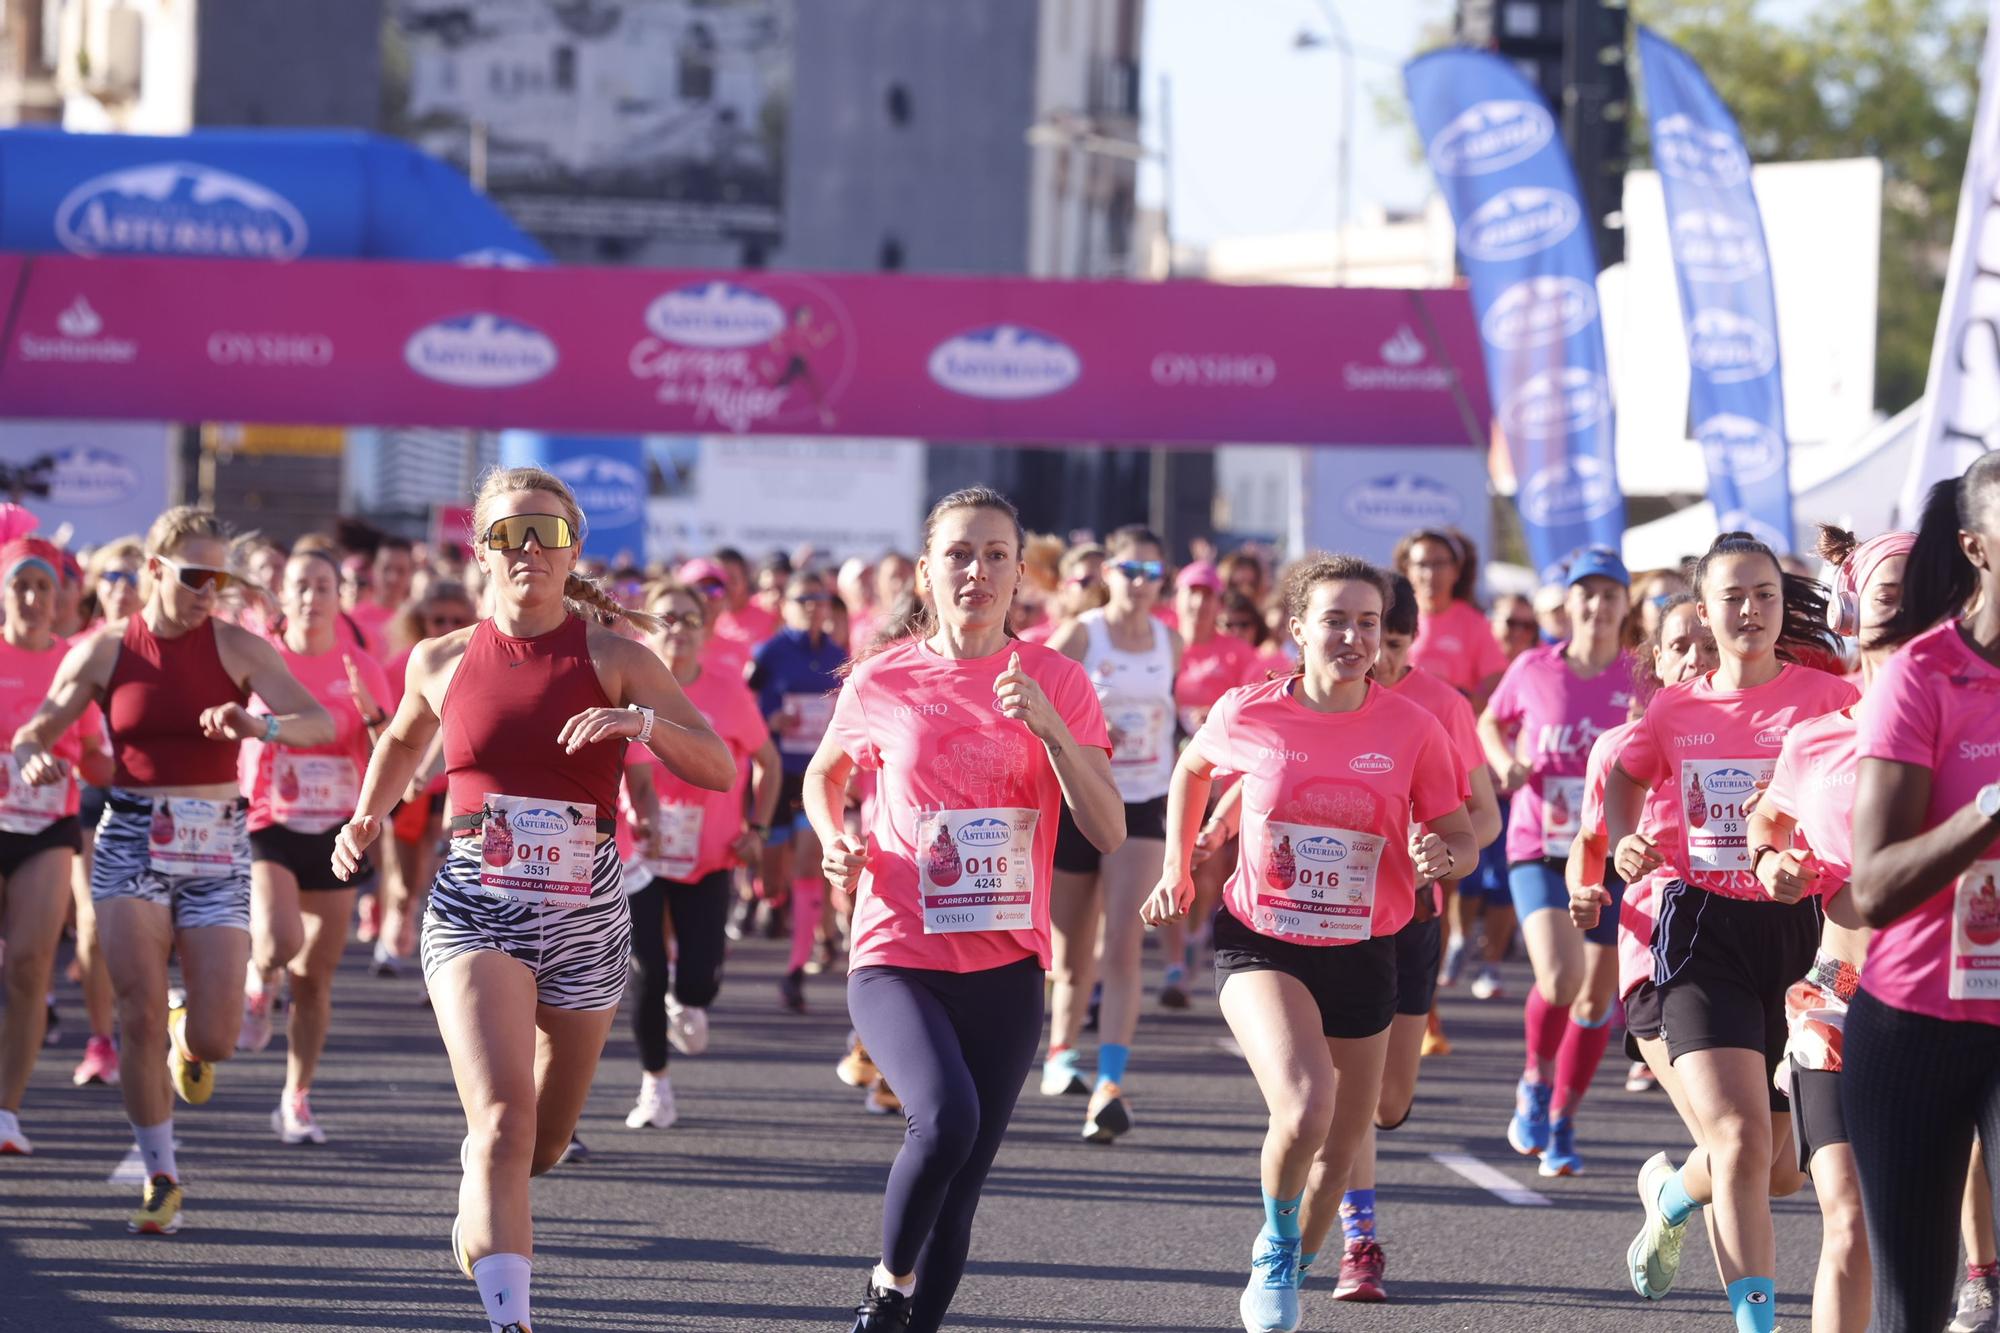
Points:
(199, 578)
(550, 531)
(1140, 569)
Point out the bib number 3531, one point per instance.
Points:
(537, 851)
(976, 869)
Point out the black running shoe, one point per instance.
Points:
(574, 1155)
(883, 1311)
(792, 991)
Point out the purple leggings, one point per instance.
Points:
(956, 1048)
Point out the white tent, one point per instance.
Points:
(1854, 486)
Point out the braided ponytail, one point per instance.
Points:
(588, 598)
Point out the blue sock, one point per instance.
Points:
(1281, 1216)
(1306, 1261)
(1675, 1205)
(1754, 1300)
(1111, 1058)
(1357, 1215)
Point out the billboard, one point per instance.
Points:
(633, 118)
(105, 479)
(774, 493)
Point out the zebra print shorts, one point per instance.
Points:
(580, 955)
(122, 866)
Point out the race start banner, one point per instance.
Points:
(627, 351)
(1736, 394)
(1527, 249)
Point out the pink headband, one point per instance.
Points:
(1859, 567)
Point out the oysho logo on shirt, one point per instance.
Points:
(1279, 752)
(922, 710)
(1696, 738)
(1372, 762)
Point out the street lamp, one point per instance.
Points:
(1308, 40)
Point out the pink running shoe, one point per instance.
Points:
(1361, 1273)
(99, 1064)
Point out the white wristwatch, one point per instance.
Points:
(1987, 802)
(645, 722)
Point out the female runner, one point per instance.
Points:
(688, 849)
(1337, 771)
(39, 833)
(1452, 638)
(1921, 1058)
(1724, 954)
(299, 797)
(1550, 708)
(1131, 661)
(980, 742)
(1812, 795)
(526, 938)
(172, 866)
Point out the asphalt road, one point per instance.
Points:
(760, 1210)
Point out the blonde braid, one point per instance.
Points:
(588, 598)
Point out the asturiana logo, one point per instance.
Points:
(1713, 246)
(540, 823)
(1372, 762)
(1575, 490)
(1701, 156)
(1539, 311)
(1322, 847)
(987, 832)
(1730, 782)
(610, 490)
(1556, 403)
(87, 477)
(1519, 222)
(1739, 447)
(1772, 737)
(1491, 136)
(179, 208)
(1401, 501)
(1730, 347)
(1005, 361)
(717, 315)
(480, 351)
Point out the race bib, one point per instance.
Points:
(26, 809)
(1141, 731)
(811, 714)
(1713, 792)
(976, 869)
(1975, 934)
(1319, 883)
(537, 851)
(191, 837)
(680, 843)
(313, 792)
(1562, 815)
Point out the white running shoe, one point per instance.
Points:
(687, 1027)
(655, 1108)
(1486, 985)
(293, 1121)
(13, 1143)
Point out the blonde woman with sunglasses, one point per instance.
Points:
(171, 870)
(526, 939)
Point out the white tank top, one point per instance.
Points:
(1137, 692)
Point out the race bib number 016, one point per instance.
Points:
(537, 851)
(1718, 831)
(1975, 934)
(680, 843)
(26, 809)
(1319, 883)
(313, 792)
(191, 837)
(976, 869)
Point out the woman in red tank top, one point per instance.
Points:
(527, 929)
(171, 867)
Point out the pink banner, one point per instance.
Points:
(635, 350)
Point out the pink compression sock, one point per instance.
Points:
(1576, 1064)
(1543, 1024)
(808, 895)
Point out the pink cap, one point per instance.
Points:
(701, 570)
(1200, 574)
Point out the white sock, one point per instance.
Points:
(156, 1148)
(503, 1289)
(884, 1280)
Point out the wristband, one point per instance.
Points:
(761, 830)
(1757, 855)
(270, 728)
(645, 722)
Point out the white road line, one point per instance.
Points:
(1490, 1179)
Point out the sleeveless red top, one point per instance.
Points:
(159, 689)
(503, 711)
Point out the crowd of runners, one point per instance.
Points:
(1743, 814)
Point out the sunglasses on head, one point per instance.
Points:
(199, 578)
(120, 576)
(550, 531)
(1139, 569)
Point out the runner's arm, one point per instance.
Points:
(407, 738)
(1484, 807)
(1187, 797)
(78, 683)
(302, 722)
(1899, 864)
(682, 738)
(767, 781)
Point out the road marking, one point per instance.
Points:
(1490, 1179)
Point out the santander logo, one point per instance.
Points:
(1372, 762)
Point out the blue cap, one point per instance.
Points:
(1600, 562)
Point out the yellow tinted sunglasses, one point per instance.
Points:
(550, 531)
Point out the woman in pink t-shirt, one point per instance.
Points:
(299, 798)
(1922, 1048)
(1803, 830)
(1338, 775)
(1724, 953)
(1452, 638)
(980, 742)
(1551, 706)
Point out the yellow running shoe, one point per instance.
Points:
(194, 1079)
(159, 1208)
(1435, 1042)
